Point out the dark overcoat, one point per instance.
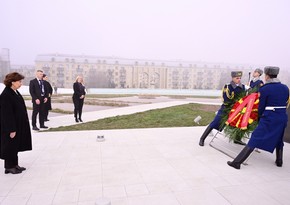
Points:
(270, 130)
(14, 118)
(79, 90)
(49, 90)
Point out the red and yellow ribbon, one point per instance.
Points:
(244, 112)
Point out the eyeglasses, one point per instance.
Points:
(238, 78)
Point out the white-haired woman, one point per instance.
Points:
(78, 98)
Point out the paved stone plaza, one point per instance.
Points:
(160, 166)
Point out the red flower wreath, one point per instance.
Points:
(244, 112)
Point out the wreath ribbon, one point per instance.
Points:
(244, 112)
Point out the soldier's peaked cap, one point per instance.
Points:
(237, 74)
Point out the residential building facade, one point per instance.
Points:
(113, 72)
(27, 70)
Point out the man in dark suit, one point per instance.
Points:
(49, 90)
(39, 94)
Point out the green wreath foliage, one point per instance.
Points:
(235, 133)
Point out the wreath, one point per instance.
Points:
(240, 115)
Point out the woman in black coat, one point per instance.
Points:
(78, 98)
(15, 128)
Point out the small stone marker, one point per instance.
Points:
(197, 119)
(100, 138)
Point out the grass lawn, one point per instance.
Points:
(177, 116)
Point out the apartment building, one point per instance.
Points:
(114, 72)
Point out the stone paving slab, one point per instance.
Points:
(141, 167)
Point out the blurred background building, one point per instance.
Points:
(27, 70)
(4, 63)
(113, 72)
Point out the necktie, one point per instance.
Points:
(41, 87)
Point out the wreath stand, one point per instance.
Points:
(239, 115)
(228, 148)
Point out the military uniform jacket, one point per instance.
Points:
(229, 92)
(256, 84)
(270, 130)
(14, 118)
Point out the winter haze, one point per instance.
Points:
(241, 31)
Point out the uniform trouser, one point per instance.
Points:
(78, 104)
(40, 110)
(11, 162)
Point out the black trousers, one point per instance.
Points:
(47, 108)
(38, 110)
(78, 104)
(46, 112)
(11, 162)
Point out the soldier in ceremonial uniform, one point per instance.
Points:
(273, 99)
(256, 82)
(229, 92)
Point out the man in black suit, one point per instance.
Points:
(39, 94)
(48, 103)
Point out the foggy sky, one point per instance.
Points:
(229, 31)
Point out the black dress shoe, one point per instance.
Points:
(13, 171)
(77, 120)
(43, 126)
(20, 168)
(234, 165)
(201, 142)
(279, 163)
(80, 120)
(46, 120)
(35, 128)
